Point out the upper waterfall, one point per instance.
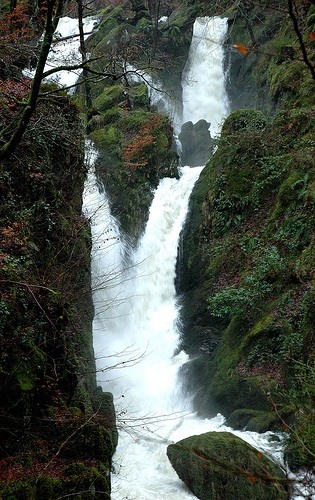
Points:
(203, 82)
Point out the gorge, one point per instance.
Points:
(202, 277)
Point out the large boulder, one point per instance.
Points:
(219, 465)
(196, 143)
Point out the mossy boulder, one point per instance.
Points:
(135, 152)
(104, 406)
(90, 482)
(79, 481)
(244, 120)
(218, 465)
(93, 441)
(252, 420)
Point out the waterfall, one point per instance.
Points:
(66, 50)
(135, 341)
(204, 95)
(135, 333)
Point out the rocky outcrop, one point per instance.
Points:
(57, 430)
(218, 465)
(196, 143)
(246, 275)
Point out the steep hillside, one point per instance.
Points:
(247, 274)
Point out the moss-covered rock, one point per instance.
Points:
(247, 245)
(47, 369)
(253, 420)
(134, 153)
(103, 404)
(244, 120)
(220, 465)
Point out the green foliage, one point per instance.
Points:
(108, 138)
(135, 152)
(248, 263)
(45, 309)
(255, 285)
(108, 97)
(110, 21)
(20, 490)
(243, 120)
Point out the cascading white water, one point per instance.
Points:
(135, 340)
(134, 330)
(204, 95)
(66, 50)
(135, 335)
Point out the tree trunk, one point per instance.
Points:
(88, 95)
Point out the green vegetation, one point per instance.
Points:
(247, 275)
(49, 416)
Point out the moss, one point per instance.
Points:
(20, 490)
(93, 440)
(107, 138)
(304, 264)
(253, 420)
(104, 404)
(217, 464)
(289, 189)
(26, 369)
(257, 331)
(110, 22)
(139, 95)
(48, 488)
(103, 102)
(111, 115)
(243, 120)
(287, 78)
(90, 480)
(136, 151)
(225, 388)
(110, 96)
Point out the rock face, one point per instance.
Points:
(196, 143)
(221, 466)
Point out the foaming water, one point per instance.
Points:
(203, 82)
(135, 341)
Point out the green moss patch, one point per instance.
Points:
(217, 464)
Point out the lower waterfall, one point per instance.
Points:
(136, 338)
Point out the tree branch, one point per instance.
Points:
(300, 38)
(54, 12)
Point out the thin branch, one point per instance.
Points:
(300, 38)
